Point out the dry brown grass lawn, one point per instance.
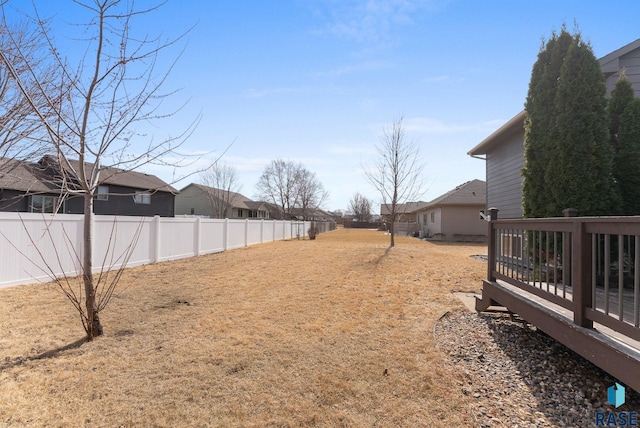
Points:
(331, 332)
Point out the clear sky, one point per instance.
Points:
(316, 81)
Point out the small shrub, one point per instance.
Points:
(313, 231)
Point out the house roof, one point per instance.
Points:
(139, 180)
(237, 200)
(515, 125)
(22, 176)
(610, 63)
(472, 192)
(31, 177)
(406, 208)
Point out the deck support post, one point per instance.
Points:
(581, 271)
(491, 256)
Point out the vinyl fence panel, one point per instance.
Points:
(36, 247)
(236, 234)
(211, 235)
(114, 237)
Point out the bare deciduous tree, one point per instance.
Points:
(311, 193)
(278, 184)
(397, 173)
(290, 186)
(222, 181)
(93, 112)
(360, 206)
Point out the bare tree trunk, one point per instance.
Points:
(93, 327)
(392, 229)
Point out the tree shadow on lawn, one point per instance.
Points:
(10, 363)
(558, 377)
(383, 255)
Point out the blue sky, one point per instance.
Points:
(316, 81)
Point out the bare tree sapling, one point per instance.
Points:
(397, 172)
(92, 109)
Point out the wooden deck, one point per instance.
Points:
(586, 312)
(610, 350)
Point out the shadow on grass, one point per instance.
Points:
(382, 257)
(9, 363)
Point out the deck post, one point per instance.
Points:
(581, 264)
(491, 256)
(566, 248)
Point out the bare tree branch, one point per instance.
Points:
(222, 181)
(360, 206)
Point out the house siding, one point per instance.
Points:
(504, 178)
(630, 63)
(13, 201)
(433, 227)
(463, 220)
(121, 202)
(193, 198)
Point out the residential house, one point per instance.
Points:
(37, 187)
(503, 151)
(455, 215)
(198, 199)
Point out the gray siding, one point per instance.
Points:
(631, 64)
(463, 220)
(191, 198)
(504, 180)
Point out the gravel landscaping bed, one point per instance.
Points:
(519, 376)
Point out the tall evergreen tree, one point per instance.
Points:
(540, 122)
(579, 173)
(627, 158)
(568, 159)
(621, 96)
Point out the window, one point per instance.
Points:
(240, 213)
(43, 204)
(103, 193)
(142, 198)
(433, 217)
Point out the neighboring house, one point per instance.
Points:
(197, 199)
(36, 187)
(503, 151)
(455, 216)
(405, 213)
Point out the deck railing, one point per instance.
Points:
(588, 265)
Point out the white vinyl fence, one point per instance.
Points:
(33, 245)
